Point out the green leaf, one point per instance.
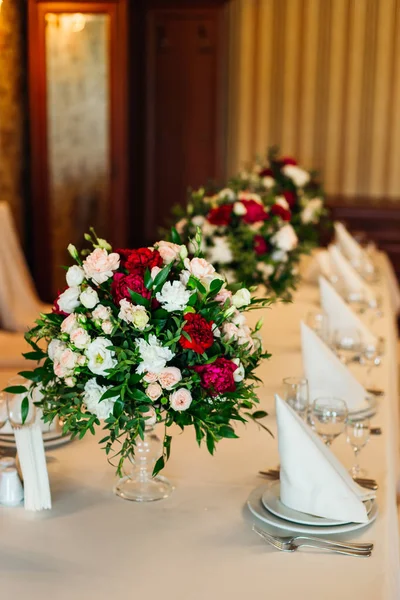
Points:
(147, 279)
(118, 408)
(24, 409)
(138, 299)
(210, 443)
(16, 389)
(175, 237)
(215, 286)
(161, 277)
(115, 391)
(34, 355)
(138, 395)
(259, 414)
(227, 432)
(192, 300)
(31, 375)
(160, 464)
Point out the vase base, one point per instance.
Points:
(156, 488)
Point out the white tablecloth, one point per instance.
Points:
(198, 543)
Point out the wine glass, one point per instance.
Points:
(296, 394)
(372, 356)
(328, 417)
(357, 300)
(358, 434)
(319, 322)
(16, 403)
(347, 344)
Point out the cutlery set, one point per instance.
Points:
(364, 482)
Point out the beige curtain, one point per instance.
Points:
(321, 78)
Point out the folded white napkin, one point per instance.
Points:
(340, 314)
(351, 278)
(349, 246)
(312, 479)
(326, 375)
(30, 448)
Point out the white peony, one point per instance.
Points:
(227, 194)
(285, 239)
(102, 313)
(279, 256)
(239, 209)
(265, 269)
(239, 373)
(310, 213)
(89, 298)
(154, 356)
(299, 176)
(221, 251)
(80, 338)
(100, 359)
(55, 348)
(198, 221)
(99, 265)
(69, 324)
(181, 399)
(107, 327)
(75, 275)
(241, 298)
(281, 201)
(69, 300)
(91, 398)
(173, 296)
(268, 182)
(137, 315)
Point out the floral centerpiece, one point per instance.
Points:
(143, 336)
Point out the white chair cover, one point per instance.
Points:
(19, 302)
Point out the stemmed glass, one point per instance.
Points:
(319, 322)
(371, 357)
(296, 394)
(328, 418)
(358, 434)
(347, 344)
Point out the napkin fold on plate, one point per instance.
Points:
(340, 314)
(326, 375)
(32, 459)
(348, 245)
(353, 281)
(312, 480)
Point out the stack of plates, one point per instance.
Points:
(264, 503)
(51, 439)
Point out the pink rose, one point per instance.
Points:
(199, 267)
(101, 312)
(180, 399)
(99, 265)
(154, 272)
(68, 359)
(107, 327)
(69, 324)
(169, 251)
(223, 295)
(169, 377)
(229, 332)
(80, 338)
(154, 391)
(150, 377)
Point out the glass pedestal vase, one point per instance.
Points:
(139, 485)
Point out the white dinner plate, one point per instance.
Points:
(366, 412)
(272, 502)
(51, 440)
(257, 508)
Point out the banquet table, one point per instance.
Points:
(198, 543)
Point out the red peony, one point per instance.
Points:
(124, 254)
(287, 160)
(266, 173)
(282, 212)
(200, 332)
(254, 211)
(141, 259)
(260, 245)
(220, 215)
(217, 377)
(121, 284)
(290, 197)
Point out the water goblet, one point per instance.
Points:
(319, 322)
(357, 301)
(358, 434)
(372, 357)
(328, 418)
(296, 394)
(347, 344)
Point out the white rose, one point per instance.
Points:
(89, 298)
(69, 324)
(75, 275)
(220, 251)
(226, 194)
(281, 201)
(239, 209)
(180, 399)
(184, 277)
(154, 272)
(310, 213)
(65, 363)
(265, 269)
(55, 348)
(169, 251)
(100, 359)
(239, 319)
(154, 391)
(250, 196)
(229, 332)
(268, 182)
(299, 176)
(80, 338)
(107, 327)
(173, 296)
(279, 256)
(137, 315)
(91, 398)
(151, 377)
(102, 313)
(169, 377)
(99, 265)
(239, 373)
(199, 267)
(285, 239)
(241, 298)
(69, 300)
(70, 381)
(216, 331)
(154, 356)
(198, 221)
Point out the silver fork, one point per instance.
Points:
(291, 544)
